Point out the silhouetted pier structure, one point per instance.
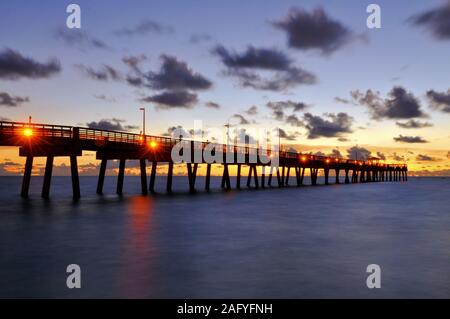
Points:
(50, 141)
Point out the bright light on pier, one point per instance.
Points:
(28, 132)
(153, 144)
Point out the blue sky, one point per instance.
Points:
(398, 54)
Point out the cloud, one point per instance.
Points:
(173, 99)
(413, 124)
(337, 125)
(176, 75)
(448, 154)
(314, 31)
(425, 158)
(111, 125)
(80, 39)
(381, 156)
(143, 28)
(14, 66)
(105, 73)
(400, 104)
(242, 119)
(286, 136)
(252, 110)
(358, 153)
(105, 98)
(279, 108)
(212, 105)
(283, 74)
(343, 101)
(409, 139)
(439, 100)
(133, 61)
(199, 38)
(10, 168)
(11, 101)
(436, 21)
(293, 120)
(336, 153)
(255, 58)
(397, 157)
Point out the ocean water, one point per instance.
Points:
(307, 242)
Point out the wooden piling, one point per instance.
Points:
(75, 177)
(120, 177)
(47, 177)
(144, 189)
(101, 176)
(27, 177)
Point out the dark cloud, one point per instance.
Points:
(436, 21)
(410, 139)
(315, 30)
(293, 120)
(199, 38)
(336, 153)
(343, 139)
(111, 125)
(254, 58)
(381, 156)
(334, 126)
(242, 119)
(176, 75)
(133, 61)
(243, 65)
(286, 136)
(343, 101)
(397, 157)
(173, 99)
(10, 168)
(105, 98)
(104, 73)
(413, 124)
(252, 110)
(439, 100)
(11, 101)
(143, 28)
(358, 153)
(212, 105)
(14, 66)
(425, 158)
(279, 109)
(400, 104)
(79, 39)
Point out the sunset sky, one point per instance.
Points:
(312, 68)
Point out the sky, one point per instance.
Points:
(312, 68)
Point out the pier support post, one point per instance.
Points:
(297, 175)
(337, 175)
(75, 177)
(302, 176)
(362, 176)
(347, 179)
(47, 177)
(255, 175)
(313, 172)
(390, 176)
(120, 177)
(269, 182)
(151, 185)
(27, 177)
(169, 177)
(249, 176)
(280, 182)
(238, 176)
(263, 176)
(101, 176)
(208, 177)
(142, 165)
(192, 172)
(288, 172)
(326, 173)
(226, 178)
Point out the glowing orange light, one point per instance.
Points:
(336, 159)
(327, 160)
(28, 132)
(140, 138)
(303, 158)
(153, 144)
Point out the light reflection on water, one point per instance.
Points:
(307, 242)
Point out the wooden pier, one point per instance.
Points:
(50, 141)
